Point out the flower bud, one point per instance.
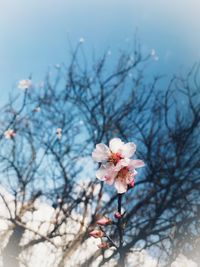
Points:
(104, 245)
(96, 233)
(104, 221)
(118, 215)
(59, 200)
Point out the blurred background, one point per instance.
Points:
(35, 34)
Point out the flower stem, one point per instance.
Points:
(119, 203)
(120, 231)
(108, 237)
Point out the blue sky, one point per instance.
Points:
(34, 34)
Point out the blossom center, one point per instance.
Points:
(115, 158)
(123, 172)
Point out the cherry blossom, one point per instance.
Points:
(116, 166)
(9, 134)
(116, 151)
(122, 174)
(24, 84)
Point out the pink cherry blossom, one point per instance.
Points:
(116, 151)
(122, 174)
(116, 166)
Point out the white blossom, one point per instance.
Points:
(59, 133)
(9, 134)
(25, 84)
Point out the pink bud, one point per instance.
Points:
(118, 215)
(132, 183)
(96, 233)
(104, 245)
(104, 221)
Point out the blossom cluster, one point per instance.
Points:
(117, 167)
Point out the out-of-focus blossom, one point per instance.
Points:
(25, 84)
(59, 133)
(116, 151)
(104, 245)
(153, 52)
(37, 109)
(118, 215)
(59, 200)
(81, 40)
(154, 55)
(9, 134)
(182, 261)
(104, 221)
(96, 233)
(57, 66)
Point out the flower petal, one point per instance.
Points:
(109, 179)
(121, 186)
(101, 153)
(129, 178)
(122, 163)
(101, 172)
(128, 150)
(137, 163)
(132, 183)
(106, 173)
(116, 145)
